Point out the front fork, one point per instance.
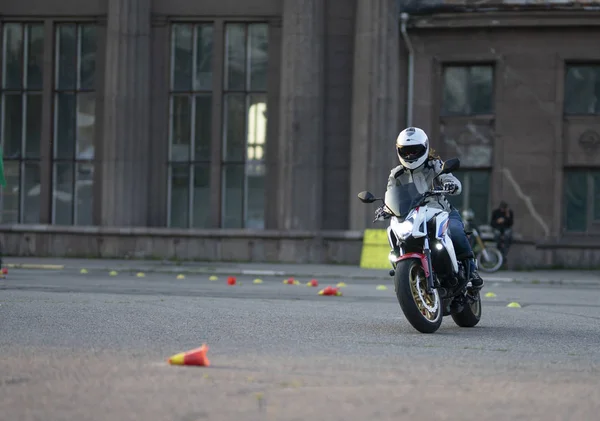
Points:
(393, 257)
(427, 253)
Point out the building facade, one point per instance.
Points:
(244, 130)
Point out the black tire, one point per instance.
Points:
(470, 314)
(406, 272)
(497, 257)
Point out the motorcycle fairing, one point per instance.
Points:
(443, 235)
(419, 217)
(420, 256)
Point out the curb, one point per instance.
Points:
(254, 272)
(33, 266)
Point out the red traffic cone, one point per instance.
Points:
(330, 291)
(313, 283)
(231, 280)
(194, 357)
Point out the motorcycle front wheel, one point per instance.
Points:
(422, 310)
(489, 259)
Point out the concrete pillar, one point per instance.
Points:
(301, 115)
(376, 118)
(126, 135)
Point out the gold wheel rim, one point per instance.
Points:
(428, 304)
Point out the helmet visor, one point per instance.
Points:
(412, 152)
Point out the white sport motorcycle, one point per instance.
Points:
(430, 282)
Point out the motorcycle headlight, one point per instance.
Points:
(405, 229)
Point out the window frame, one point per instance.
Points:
(469, 64)
(23, 161)
(567, 64)
(74, 161)
(465, 196)
(217, 162)
(592, 225)
(191, 163)
(248, 93)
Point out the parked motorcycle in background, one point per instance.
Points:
(489, 258)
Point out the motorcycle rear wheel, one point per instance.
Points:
(471, 312)
(422, 310)
(496, 260)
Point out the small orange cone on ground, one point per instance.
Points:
(291, 281)
(4, 271)
(194, 357)
(231, 280)
(312, 283)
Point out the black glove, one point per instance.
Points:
(450, 187)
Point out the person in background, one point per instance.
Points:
(502, 222)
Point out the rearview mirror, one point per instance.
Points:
(450, 165)
(366, 197)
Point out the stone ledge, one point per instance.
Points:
(588, 243)
(179, 244)
(299, 247)
(181, 232)
(500, 18)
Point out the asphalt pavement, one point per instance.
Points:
(94, 347)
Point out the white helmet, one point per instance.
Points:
(412, 147)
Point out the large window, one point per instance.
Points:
(21, 119)
(475, 194)
(190, 122)
(243, 119)
(245, 125)
(74, 124)
(581, 200)
(582, 89)
(468, 90)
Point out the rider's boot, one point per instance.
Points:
(475, 279)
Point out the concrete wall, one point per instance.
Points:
(204, 8)
(531, 141)
(200, 245)
(327, 247)
(357, 64)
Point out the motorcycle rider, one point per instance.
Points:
(419, 165)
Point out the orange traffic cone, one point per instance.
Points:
(194, 357)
